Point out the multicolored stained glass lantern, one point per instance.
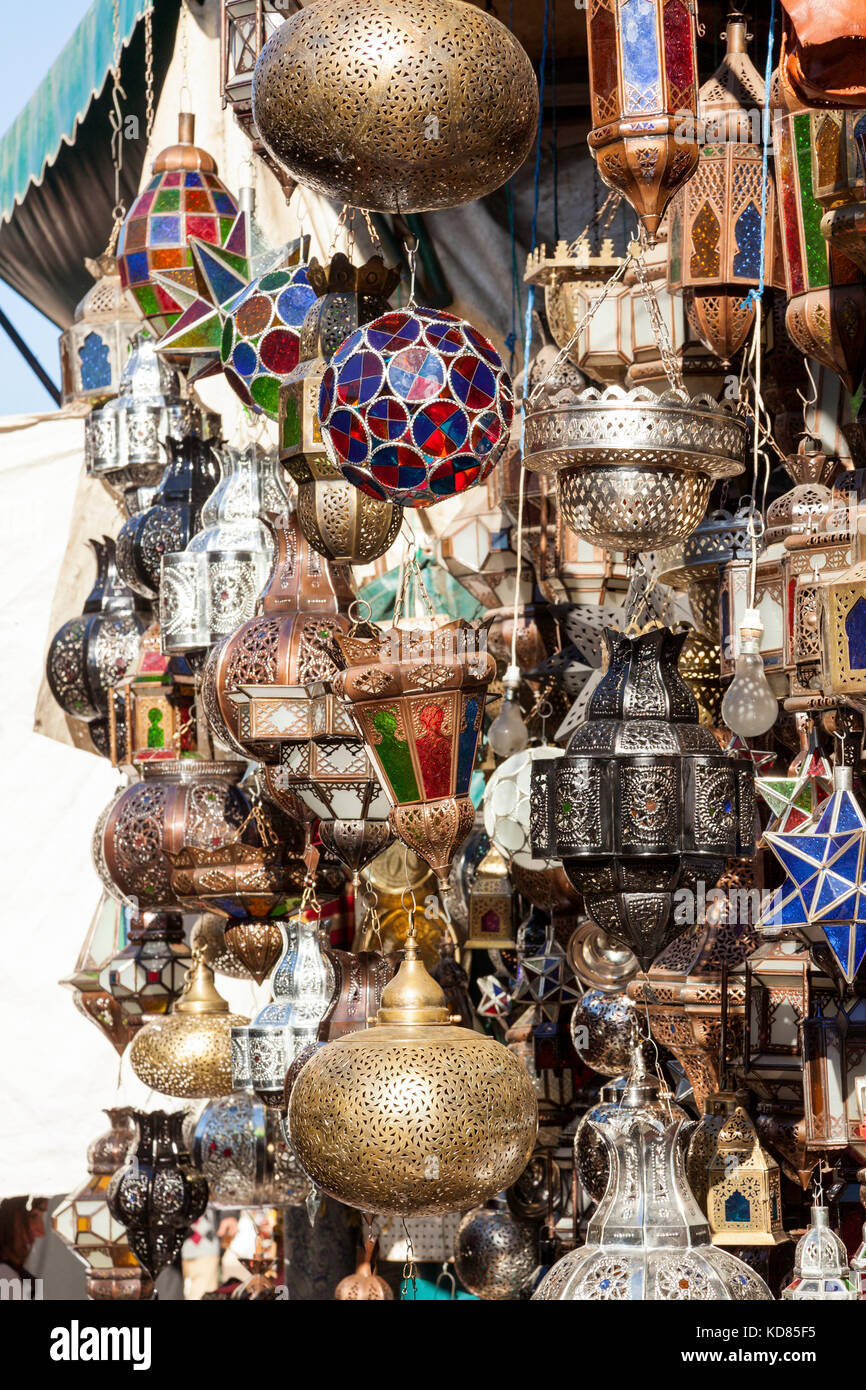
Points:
(715, 240)
(491, 906)
(147, 976)
(338, 520)
(185, 198)
(418, 698)
(643, 72)
(261, 341)
(87, 655)
(416, 407)
(643, 803)
(94, 348)
(826, 316)
(839, 179)
(151, 713)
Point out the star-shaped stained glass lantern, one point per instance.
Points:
(760, 758)
(494, 1001)
(547, 981)
(825, 869)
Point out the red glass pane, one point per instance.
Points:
(787, 195)
(602, 38)
(678, 49)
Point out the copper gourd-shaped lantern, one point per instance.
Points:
(418, 698)
(413, 1116)
(826, 316)
(338, 520)
(185, 197)
(839, 179)
(253, 682)
(642, 803)
(466, 102)
(365, 1285)
(89, 654)
(715, 244)
(643, 72)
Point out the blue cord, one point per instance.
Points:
(765, 135)
(530, 298)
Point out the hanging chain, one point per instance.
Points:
(341, 223)
(409, 1268)
(670, 361)
(412, 257)
(116, 122)
(148, 70)
(587, 318)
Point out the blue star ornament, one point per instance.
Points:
(825, 868)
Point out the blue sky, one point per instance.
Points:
(25, 57)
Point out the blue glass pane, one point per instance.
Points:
(640, 55)
(848, 864)
(855, 632)
(737, 1207)
(95, 365)
(838, 937)
(848, 814)
(747, 233)
(466, 745)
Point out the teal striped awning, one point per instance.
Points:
(60, 102)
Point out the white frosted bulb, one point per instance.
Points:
(508, 733)
(750, 708)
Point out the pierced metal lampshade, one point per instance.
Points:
(495, 1254)
(173, 515)
(187, 1052)
(157, 1194)
(95, 347)
(634, 469)
(239, 1146)
(643, 803)
(839, 179)
(467, 119)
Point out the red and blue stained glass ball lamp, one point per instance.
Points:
(415, 407)
(185, 198)
(261, 342)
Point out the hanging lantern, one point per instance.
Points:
(591, 1154)
(185, 197)
(744, 1197)
(432, 1155)
(715, 243)
(148, 975)
(177, 803)
(84, 1223)
(631, 473)
(695, 564)
(123, 440)
(573, 278)
(643, 89)
(491, 906)
(151, 712)
(824, 870)
(157, 1194)
(839, 179)
(821, 1270)
(495, 1254)
(825, 1090)
(187, 1052)
(686, 990)
(95, 347)
(415, 407)
(545, 983)
(365, 1285)
(841, 617)
(777, 998)
(597, 962)
(826, 317)
(211, 587)
(418, 700)
(253, 682)
(388, 881)
(239, 1147)
(468, 102)
(88, 654)
(245, 28)
(338, 520)
(173, 516)
(603, 1030)
(648, 1239)
(261, 341)
(303, 987)
(683, 808)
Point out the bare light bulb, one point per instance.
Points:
(508, 733)
(750, 708)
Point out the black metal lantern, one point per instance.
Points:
(173, 518)
(643, 805)
(89, 654)
(157, 1194)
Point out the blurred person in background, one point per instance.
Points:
(22, 1223)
